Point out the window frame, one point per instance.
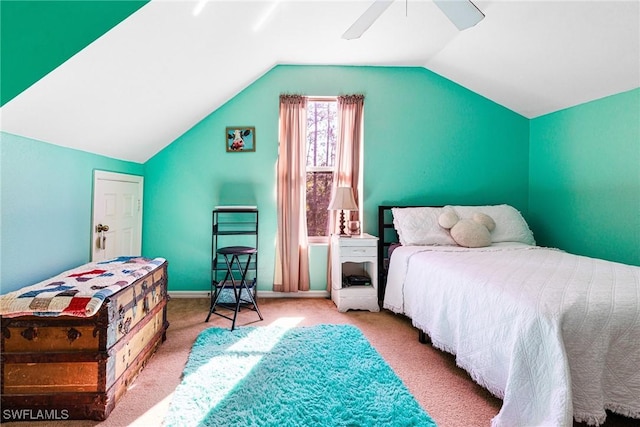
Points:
(332, 169)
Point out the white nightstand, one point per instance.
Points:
(355, 255)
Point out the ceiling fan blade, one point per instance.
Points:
(365, 20)
(462, 13)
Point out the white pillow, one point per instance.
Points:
(510, 225)
(419, 226)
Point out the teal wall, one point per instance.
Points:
(584, 192)
(427, 140)
(45, 208)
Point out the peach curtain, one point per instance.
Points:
(348, 151)
(348, 155)
(292, 259)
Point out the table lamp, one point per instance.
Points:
(343, 200)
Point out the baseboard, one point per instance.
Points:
(189, 294)
(261, 294)
(301, 294)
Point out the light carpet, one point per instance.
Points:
(323, 375)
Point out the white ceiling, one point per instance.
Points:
(158, 73)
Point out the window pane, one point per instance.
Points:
(318, 198)
(321, 133)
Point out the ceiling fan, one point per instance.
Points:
(463, 13)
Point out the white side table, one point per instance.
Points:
(355, 255)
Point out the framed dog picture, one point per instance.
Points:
(240, 139)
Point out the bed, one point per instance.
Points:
(72, 344)
(556, 336)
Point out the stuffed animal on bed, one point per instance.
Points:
(470, 233)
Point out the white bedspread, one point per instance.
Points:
(554, 335)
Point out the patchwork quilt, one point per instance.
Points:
(78, 292)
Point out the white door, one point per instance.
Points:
(117, 215)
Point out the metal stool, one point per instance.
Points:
(229, 282)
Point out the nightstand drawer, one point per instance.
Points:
(368, 251)
(362, 240)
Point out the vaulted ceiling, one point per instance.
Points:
(125, 79)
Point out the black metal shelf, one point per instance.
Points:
(228, 223)
(234, 270)
(235, 233)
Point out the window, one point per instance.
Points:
(322, 121)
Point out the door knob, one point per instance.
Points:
(100, 228)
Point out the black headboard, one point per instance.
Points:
(386, 236)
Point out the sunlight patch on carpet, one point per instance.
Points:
(303, 376)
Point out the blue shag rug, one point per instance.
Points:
(325, 375)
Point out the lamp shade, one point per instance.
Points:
(343, 200)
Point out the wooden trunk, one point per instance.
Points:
(57, 368)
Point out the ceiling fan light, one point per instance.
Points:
(463, 13)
